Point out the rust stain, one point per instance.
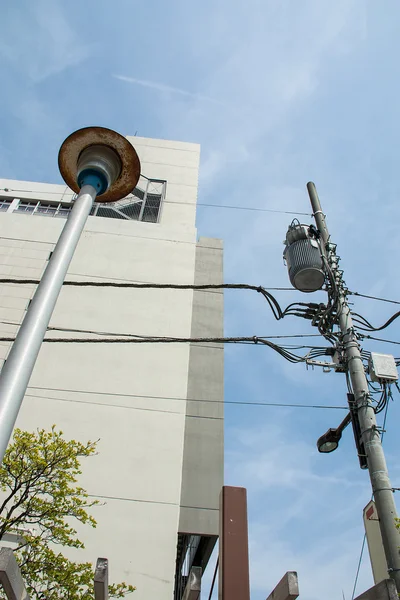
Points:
(89, 136)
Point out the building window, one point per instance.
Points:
(5, 203)
(144, 204)
(27, 207)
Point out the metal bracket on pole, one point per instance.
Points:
(322, 363)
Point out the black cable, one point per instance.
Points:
(285, 352)
(157, 410)
(265, 337)
(365, 325)
(251, 208)
(297, 309)
(374, 388)
(373, 297)
(383, 400)
(213, 579)
(122, 280)
(273, 303)
(133, 284)
(371, 337)
(146, 340)
(326, 323)
(232, 207)
(148, 397)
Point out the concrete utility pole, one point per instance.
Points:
(381, 486)
(93, 161)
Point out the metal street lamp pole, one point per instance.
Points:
(94, 162)
(381, 486)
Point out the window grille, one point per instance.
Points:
(5, 203)
(144, 204)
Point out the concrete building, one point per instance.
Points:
(159, 469)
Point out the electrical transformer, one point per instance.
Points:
(303, 258)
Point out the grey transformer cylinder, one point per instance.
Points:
(303, 258)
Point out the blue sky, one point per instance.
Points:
(277, 93)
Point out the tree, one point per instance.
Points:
(40, 499)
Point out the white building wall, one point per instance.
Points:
(130, 397)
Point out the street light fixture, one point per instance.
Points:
(100, 166)
(330, 440)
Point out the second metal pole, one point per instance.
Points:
(381, 486)
(19, 365)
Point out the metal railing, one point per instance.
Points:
(144, 204)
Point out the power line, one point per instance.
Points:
(358, 567)
(127, 283)
(157, 410)
(251, 208)
(150, 337)
(273, 303)
(295, 308)
(132, 284)
(213, 579)
(282, 350)
(141, 500)
(120, 282)
(265, 337)
(206, 204)
(373, 297)
(365, 325)
(147, 340)
(180, 399)
(371, 337)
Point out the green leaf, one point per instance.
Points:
(41, 499)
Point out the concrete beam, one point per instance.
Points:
(385, 590)
(287, 588)
(10, 576)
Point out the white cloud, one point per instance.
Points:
(47, 43)
(263, 75)
(161, 87)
